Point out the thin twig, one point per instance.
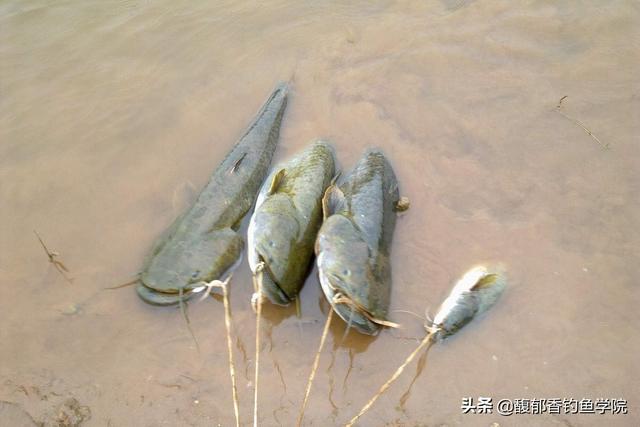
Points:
(52, 255)
(560, 102)
(227, 323)
(579, 123)
(316, 361)
(422, 362)
(426, 343)
(258, 285)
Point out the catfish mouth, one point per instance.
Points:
(173, 296)
(174, 285)
(170, 295)
(270, 286)
(167, 293)
(353, 313)
(155, 297)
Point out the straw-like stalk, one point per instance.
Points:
(257, 299)
(316, 361)
(227, 324)
(426, 343)
(472, 295)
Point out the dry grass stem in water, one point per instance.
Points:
(316, 361)
(473, 294)
(53, 259)
(256, 301)
(227, 322)
(426, 343)
(579, 123)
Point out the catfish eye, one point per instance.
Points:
(272, 243)
(346, 272)
(195, 274)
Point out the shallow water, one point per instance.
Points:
(113, 115)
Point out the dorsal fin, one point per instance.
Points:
(485, 281)
(335, 178)
(278, 177)
(332, 199)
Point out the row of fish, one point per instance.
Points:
(300, 208)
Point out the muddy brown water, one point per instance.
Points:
(113, 114)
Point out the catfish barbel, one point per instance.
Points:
(203, 244)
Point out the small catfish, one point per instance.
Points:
(476, 292)
(472, 295)
(284, 225)
(203, 244)
(354, 243)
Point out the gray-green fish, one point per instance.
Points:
(203, 244)
(354, 243)
(284, 225)
(472, 295)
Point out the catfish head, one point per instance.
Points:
(356, 284)
(272, 233)
(180, 267)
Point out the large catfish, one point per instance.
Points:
(284, 225)
(203, 244)
(354, 244)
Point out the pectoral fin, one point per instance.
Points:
(184, 196)
(336, 177)
(332, 200)
(485, 282)
(402, 204)
(277, 180)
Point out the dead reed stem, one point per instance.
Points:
(426, 343)
(227, 323)
(53, 259)
(579, 123)
(232, 369)
(258, 288)
(316, 361)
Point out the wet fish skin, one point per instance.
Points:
(288, 215)
(203, 243)
(473, 294)
(354, 243)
